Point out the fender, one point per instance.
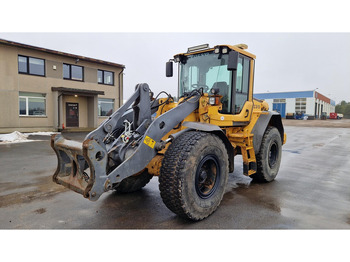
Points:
(270, 119)
(210, 128)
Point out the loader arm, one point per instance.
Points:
(85, 167)
(141, 102)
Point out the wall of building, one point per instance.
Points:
(269, 102)
(312, 97)
(282, 95)
(12, 82)
(290, 105)
(310, 106)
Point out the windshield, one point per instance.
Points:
(207, 70)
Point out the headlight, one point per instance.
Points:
(225, 50)
(217, 50)
(212, 100)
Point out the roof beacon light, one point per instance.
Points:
(196, 48)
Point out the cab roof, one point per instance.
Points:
(240, 48)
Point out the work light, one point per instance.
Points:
(212, 100)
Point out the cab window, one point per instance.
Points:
(206, 71)
(242, 83)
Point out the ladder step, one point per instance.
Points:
(250, 172)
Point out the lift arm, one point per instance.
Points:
(86, 167)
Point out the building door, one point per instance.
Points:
(315, 110)
(280, 108)
(72, 114)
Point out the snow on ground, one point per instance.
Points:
(18, 137)
(42, 133)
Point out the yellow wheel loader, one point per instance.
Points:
(190, 143)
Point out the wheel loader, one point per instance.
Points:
(189, 142)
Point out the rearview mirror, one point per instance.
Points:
(169, 69)
(232, 60)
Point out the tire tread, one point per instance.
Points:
(172, 169)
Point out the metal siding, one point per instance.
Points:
(300, 94)
(280, 108)
(310, 106)
(290, 105)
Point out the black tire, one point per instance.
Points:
(269, 157)
(134, 183)
(194, 174)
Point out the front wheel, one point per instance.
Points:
(134, 183)
(269, 157)
(194, 174)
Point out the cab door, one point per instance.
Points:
(242, 102)
(242, 83)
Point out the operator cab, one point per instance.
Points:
(225, 70)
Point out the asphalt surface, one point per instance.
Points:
(310, 192)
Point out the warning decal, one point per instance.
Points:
(149, 141)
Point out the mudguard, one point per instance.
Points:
(265, 120)
(217, 131)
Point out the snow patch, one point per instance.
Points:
(42, 133)
(18, 137)
(13, 137)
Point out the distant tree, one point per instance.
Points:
(339, 108)
(343, 108)
(347, 110)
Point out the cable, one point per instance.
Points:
(159, 95)
(188, 95)
(169, 97)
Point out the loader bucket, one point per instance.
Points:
(78, 163)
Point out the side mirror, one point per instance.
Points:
(169, 69)
(232, 61)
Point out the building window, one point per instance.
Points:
(32, 104)
(31, 65)
(73, 72)
(105, 77)
(300, 105)
(282, 100)
(105, 106)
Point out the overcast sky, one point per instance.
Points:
(285, 61)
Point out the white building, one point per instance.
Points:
(311, 103)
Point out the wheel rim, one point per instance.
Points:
(207, 176)
(273, 154)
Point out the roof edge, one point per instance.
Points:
(68, 90)
(83, 58)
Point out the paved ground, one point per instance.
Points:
(310, 192)
(332, 123)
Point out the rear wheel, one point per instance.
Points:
(194, 174)
(269, 157)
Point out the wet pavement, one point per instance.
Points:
(310, 192)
